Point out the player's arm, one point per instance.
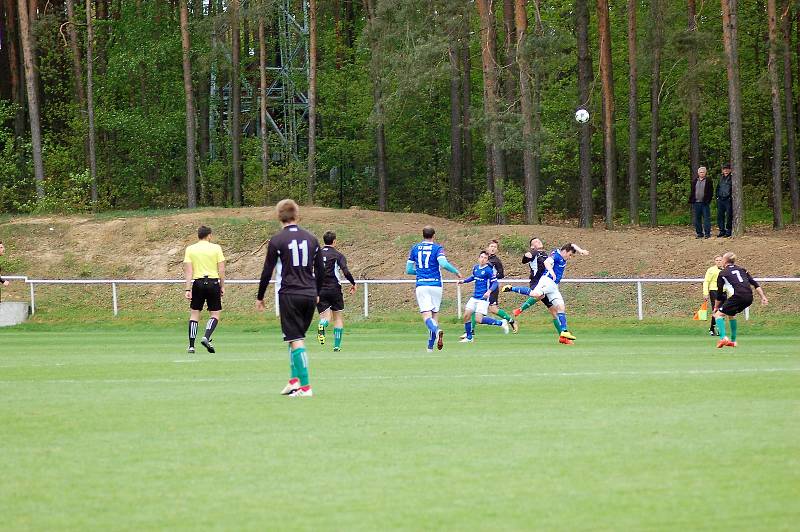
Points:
(346, 272)
(221, 268)
(188, 272)
(266, 274)
(548, 265)
(707, 283)
(492, 287)
(498, 268)
(759, 290)
(579, 249)
(467, 280)
(319, 269)
(411, 268)
(527, 257)
(442, 260)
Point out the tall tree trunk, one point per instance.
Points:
(489, 60)
(510, 77)
(17, 82)
(377, 96)
(25, 31)
(337, 29)
(585, 78)
(236, 106)
(203, 86)
(262, 68)
(730, 40)
(456, 156)
(777, 116)
(90, 100)
(466, 100)
(791, 147)
(633, 116)
(526, 105)
(694, 94)
(77, 69)
(191, 140)
(312, 100)
(607, 81)
(657, 40)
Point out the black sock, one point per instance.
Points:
(210, 326)
(192, 332)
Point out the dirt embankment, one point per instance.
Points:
(376, 245)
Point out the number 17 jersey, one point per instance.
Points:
(425, 257)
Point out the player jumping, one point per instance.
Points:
(739, 280)
(331, 301)
(485, 277)
(424, 261)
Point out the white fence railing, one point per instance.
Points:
(365, 283)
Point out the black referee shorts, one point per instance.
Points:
(735, 304)
(297, 311)
(332, 299)
(205, 290)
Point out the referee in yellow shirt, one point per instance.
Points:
(710, 293)
(204, 265)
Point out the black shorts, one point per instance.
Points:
(735, 304)
(546, 302)
(493, 297)
(333, 300)
(205, 290)
(297, 311)
(715, 295)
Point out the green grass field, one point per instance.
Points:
(645, 428)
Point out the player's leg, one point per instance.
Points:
(495, 309)
(338, 329)
(211, 325)
(195, 306)
(482, 316)
(556, 322)
(712, 297)
(214, 302)
(324, 320)
(297, 312)
(719, 317)
(469, 321)
(194, 317)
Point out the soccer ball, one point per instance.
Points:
(581, 116)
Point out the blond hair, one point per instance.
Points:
(729, 257)
(287, 210)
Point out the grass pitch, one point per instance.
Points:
(119, 429)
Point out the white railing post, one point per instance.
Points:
(366, 299)
(458, 299)
(114, 297)
(33, 300)
(639, 299)
(277, 305)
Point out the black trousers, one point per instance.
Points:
(725, 215)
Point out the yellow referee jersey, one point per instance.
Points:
(710, 280)
(204, 257)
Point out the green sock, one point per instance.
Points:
(733, 330)
(557, 325)
(300, 363)
(531, 301)
(721, 327)
(323, 323)
(503, 314)
(292, 369)
(337, 337)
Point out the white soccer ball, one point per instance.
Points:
(581, 116)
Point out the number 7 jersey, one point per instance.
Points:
(295, 255)
(425, 257)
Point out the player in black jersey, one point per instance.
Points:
(535, 260)
(331, 300)
(300, 273)
(740, 280)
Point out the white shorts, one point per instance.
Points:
(429, 298)
(478, 306)
(547, 287)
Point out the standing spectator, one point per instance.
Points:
(725, 202)
(700, 199)
(3, 282)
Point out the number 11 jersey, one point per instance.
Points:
(295, 255)
(425, 257)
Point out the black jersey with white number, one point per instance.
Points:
(495, 261)
(536, 265)
(335, 265)
(295, 254)
(737, 278)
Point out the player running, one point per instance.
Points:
(535, 259)
(738, 280)
(424, 261)
(485, 277)
(300, 273)
(331, 301)
(547, 286)
(710, 292)
(204, 266)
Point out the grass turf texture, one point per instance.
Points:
(117, 428)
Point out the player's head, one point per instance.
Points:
(729, 258)
(288, 211)
(2, 248)
(567, 251)
(702, 171)
(536, 244)
(483, 257)
(428, 232)
(329, 238)
(718, 261)
(492, 247)
(203, 232)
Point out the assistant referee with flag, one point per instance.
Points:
(204, 265)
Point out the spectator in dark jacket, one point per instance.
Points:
(700, 196)
(725, 202)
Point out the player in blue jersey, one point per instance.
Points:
(485, 277)
(425, 260)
